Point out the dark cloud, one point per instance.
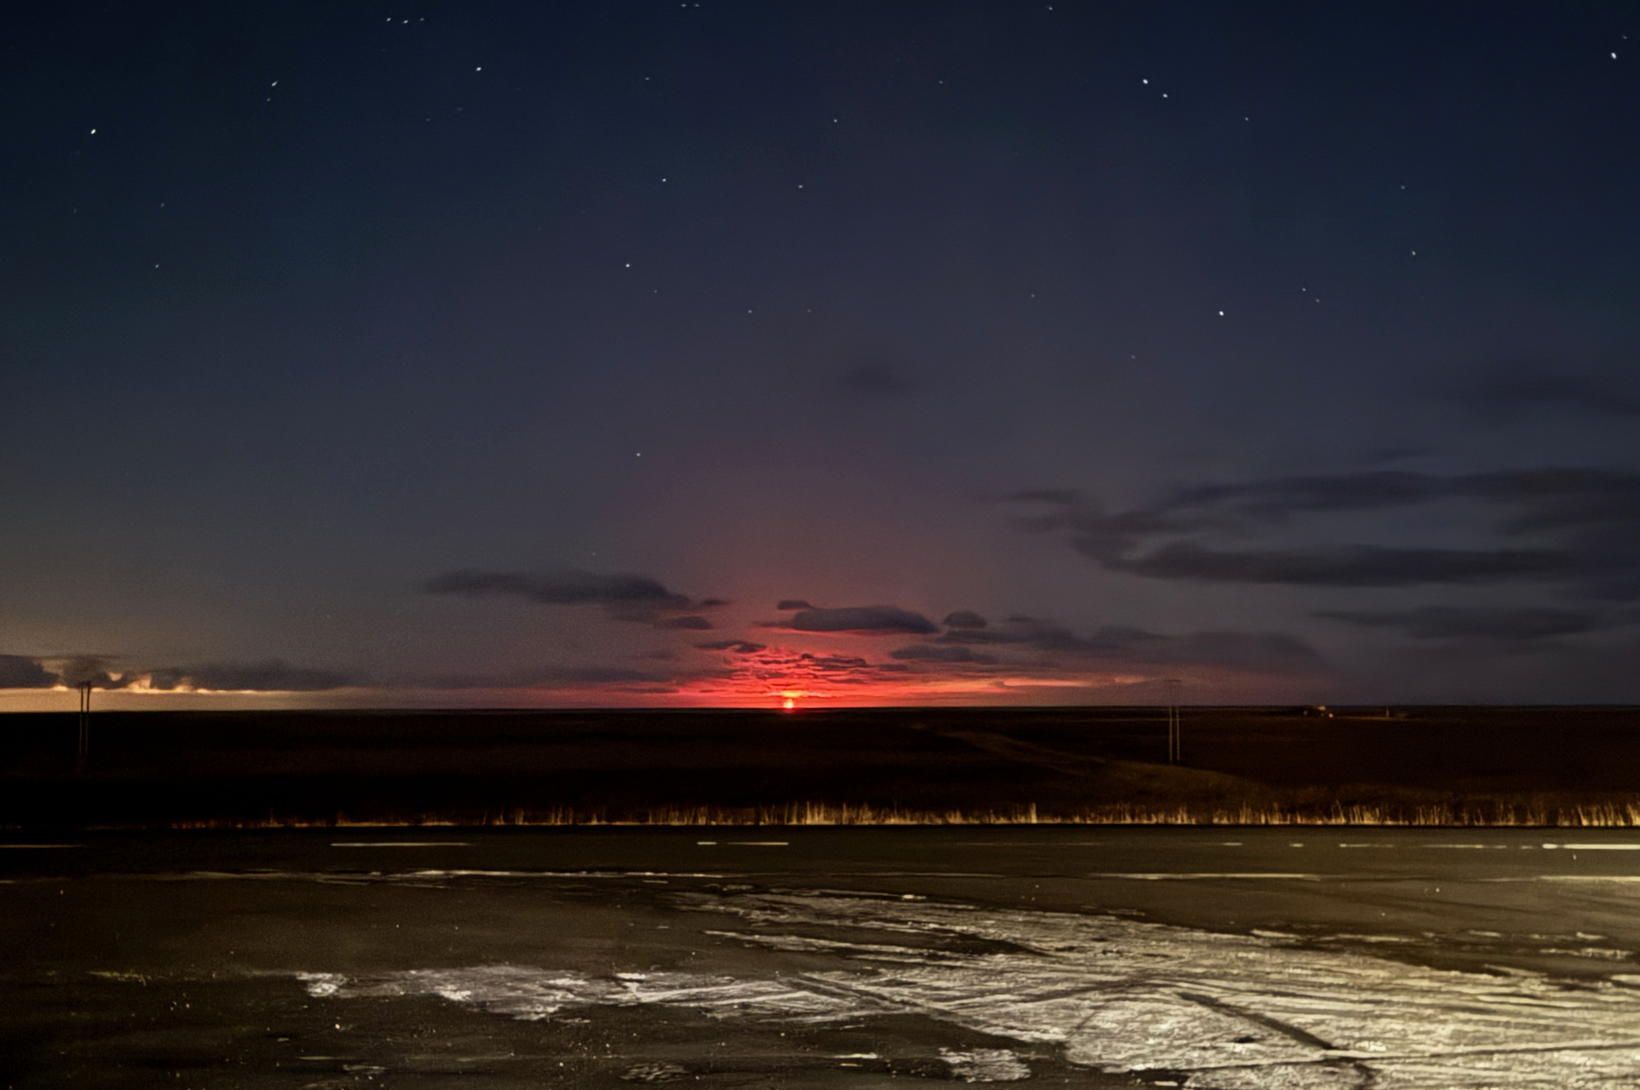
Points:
(689, 621)
(635, 598)
(564, 588)
(964, 618)
(1202, 533)
(936, 652)
(739, 647)
(782, 668)
(876, 379)
(23, 672)
(1506, 624)
(792, 603)
(863, 620)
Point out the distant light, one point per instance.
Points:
(789, 704)
(1221, 314)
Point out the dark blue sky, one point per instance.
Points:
(510, 353)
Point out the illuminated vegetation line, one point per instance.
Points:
(1606, 815)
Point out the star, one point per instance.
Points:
(1221, 314)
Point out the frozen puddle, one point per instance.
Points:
(1173, 1005)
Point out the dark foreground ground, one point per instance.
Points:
(827, 958)
(1431, 764)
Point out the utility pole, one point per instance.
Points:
(1175, 736)
(82, 750)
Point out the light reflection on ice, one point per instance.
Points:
(1230, 1012)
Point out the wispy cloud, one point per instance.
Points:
(1222, 532)
(268, 675)
(1502, 624)
(623, 597)
(1509, 393)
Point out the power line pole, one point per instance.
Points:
(82, 752)
(1175, 736)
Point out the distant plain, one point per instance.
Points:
(1419, 765)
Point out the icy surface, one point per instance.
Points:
(985, 1064)
(1210, 1010)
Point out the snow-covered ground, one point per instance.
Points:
(1208, 1009)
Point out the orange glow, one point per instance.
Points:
(789, 704)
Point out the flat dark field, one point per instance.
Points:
(1435, 764)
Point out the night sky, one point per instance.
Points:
(719, 353)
